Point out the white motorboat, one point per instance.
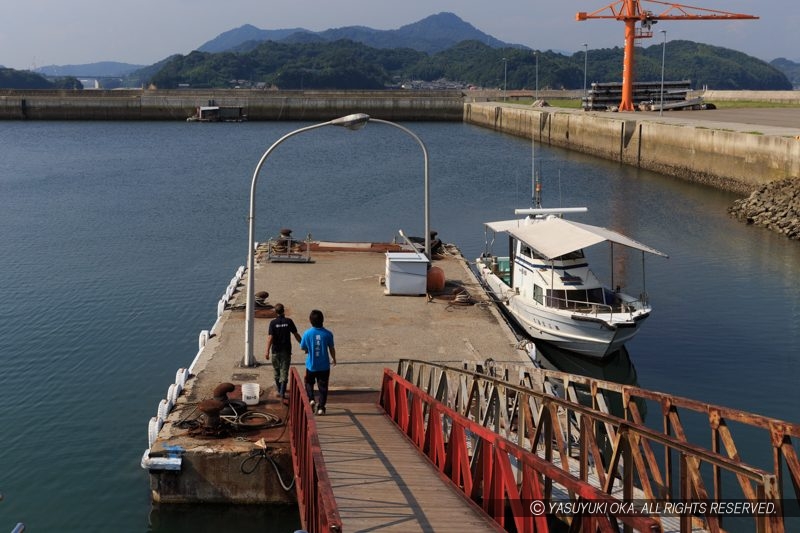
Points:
(547, 287)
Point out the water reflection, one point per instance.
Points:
(617, 368)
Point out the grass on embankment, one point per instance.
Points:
(573, 103)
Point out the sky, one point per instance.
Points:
(38, 33)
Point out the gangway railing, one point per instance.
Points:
(318, 510)
(566, 419)
(508, 482)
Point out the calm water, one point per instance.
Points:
(119, 238)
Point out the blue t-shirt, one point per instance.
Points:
(316, 342)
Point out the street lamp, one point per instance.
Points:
(427, 206)
(505, 78)
(353, 122)
(585, 65)
(663, 57)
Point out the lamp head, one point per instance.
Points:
(352, 122)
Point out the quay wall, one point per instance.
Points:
(730, 160)
(257, 105)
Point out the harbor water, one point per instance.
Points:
(118, 239)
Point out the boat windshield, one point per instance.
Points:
(576, 299)
(577, 254)
(530, 252)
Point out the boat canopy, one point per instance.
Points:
(554, 237)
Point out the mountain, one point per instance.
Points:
(430, 35)
(232, 38)
(346, 64)
(790, 68)
(101, 69)
(23, 79)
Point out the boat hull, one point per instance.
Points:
(593, 336)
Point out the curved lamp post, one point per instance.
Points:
(663, 57)
(505, 78)
(585, 66)
(427, 207)
(353, 122)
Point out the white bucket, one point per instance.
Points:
(250, 393)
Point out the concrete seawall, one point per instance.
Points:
(685, 144)
(258, 105)
(731, 160)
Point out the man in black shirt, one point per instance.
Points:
(279, 341)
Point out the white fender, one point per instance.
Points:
(172, 394)
(182, 375)
(152, 430)
(201, 342)
(163, 409)
(220, 308)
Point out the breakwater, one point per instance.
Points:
(775, 206)
(257, 105)
(730, 160)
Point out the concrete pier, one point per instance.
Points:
(693, 145)
(372, 331)
(257, 105)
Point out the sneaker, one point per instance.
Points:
(321, 411)
(313, 403)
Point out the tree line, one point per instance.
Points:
(346, 64)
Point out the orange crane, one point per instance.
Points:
(631, 12)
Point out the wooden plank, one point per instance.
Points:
(381, 482)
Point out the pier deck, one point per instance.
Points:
(381, 482)
(372, 331)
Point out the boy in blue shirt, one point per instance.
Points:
(317, 342)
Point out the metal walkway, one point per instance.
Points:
(381, 482)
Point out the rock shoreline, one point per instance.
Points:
(775, 206)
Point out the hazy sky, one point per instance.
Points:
(37, 33)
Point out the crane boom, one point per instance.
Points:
(631, 12)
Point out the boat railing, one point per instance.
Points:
(621, 307)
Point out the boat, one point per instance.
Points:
(546, 286)
(215, 113)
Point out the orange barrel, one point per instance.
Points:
(435, 279)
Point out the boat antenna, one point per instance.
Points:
(537, 179)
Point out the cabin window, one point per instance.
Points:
(538, 294)
(556, 298)
(526, 251)
(577, 254)
(576, 298)
(595, 296)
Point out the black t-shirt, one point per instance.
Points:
(281, 330)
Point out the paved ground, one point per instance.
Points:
(372, 331)
(784, 121)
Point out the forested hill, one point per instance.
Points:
(23, 79)
(431, 34)
(345, 64)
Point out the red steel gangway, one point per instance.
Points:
(506, 436)
(411, 463)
